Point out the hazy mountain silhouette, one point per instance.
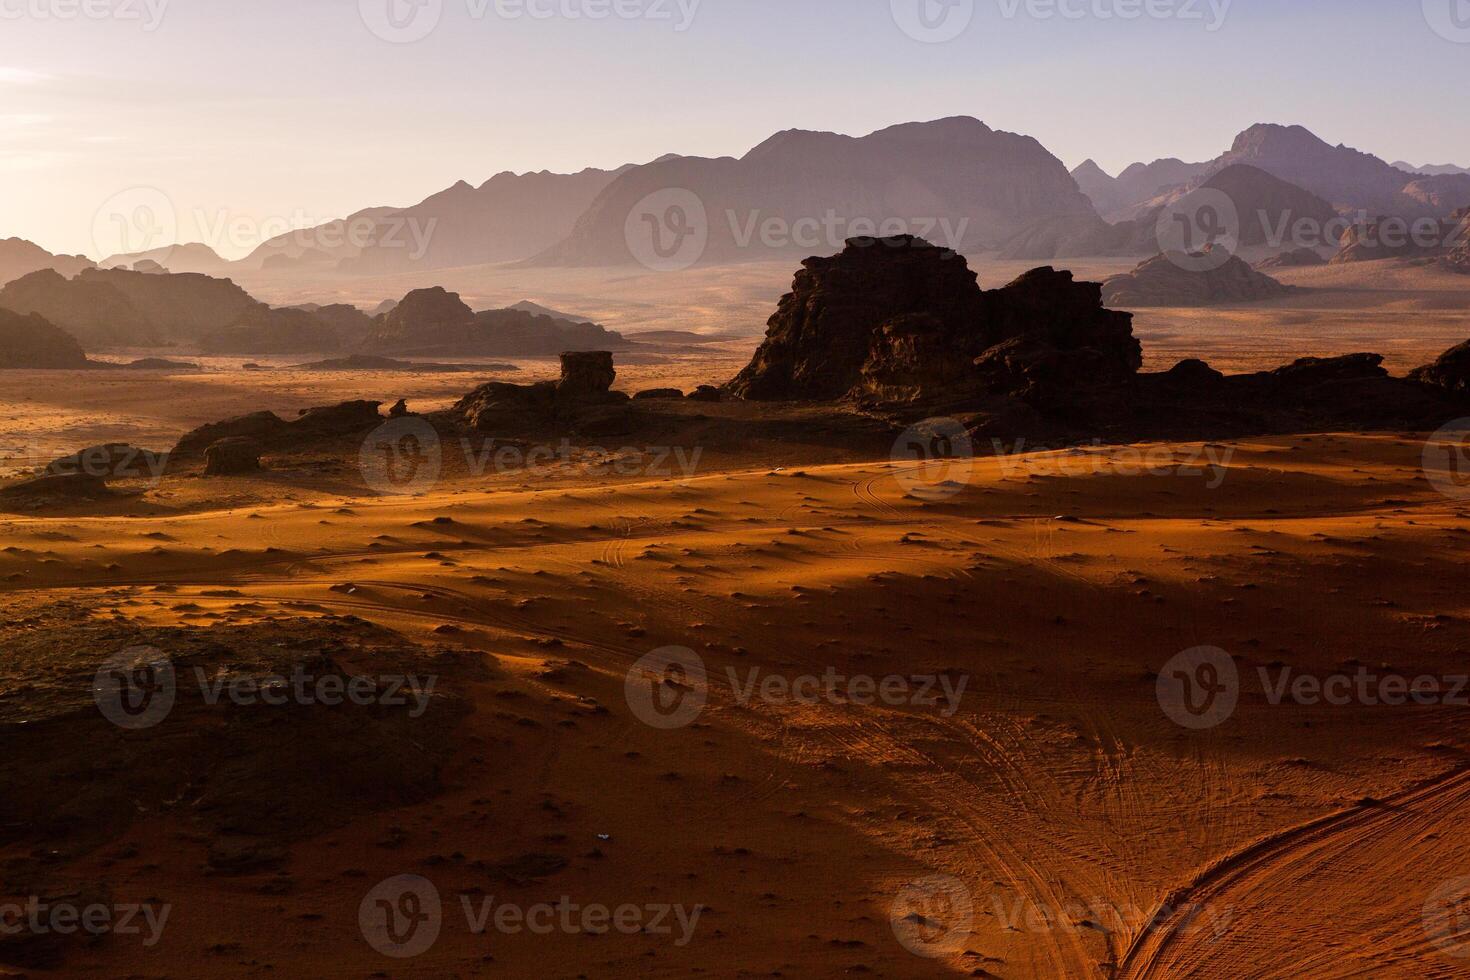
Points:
(1347, 178)
(19, 257)
(963, 183)
(194, 257)
(1431, 170)
(509, 217)
(1119, 198)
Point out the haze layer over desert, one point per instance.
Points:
(705, 490)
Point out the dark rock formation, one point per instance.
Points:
(658, 393)
(434, 322)
(1295, 258)
(1185, 280)
(399, 409)
(232, 457)
(119, 306)
(372, 362)
(273, 331)
(156, 364)
(33, 342)
(112, 461)
(43, 491)
(908, 334)
(1450, 372)
(585, 375)
(1400, 238)
(706, 393)
(267, 428)
(580, 399)
(899, 320)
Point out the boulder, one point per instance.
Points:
(706, 393)
(585, 376)
(1176, 279)
(232, 457)
(399, 409)
(658, 393)
(33, 342)
(582, 394)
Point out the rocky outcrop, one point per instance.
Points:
(1176, 279)
(372, 362)
(435, 322)
(234, 456)
(1400, 238)
(269, 429)
(901, 321)
(1296, 258)
(95, 312)
(53, 490)
(581, 399)
(656, 394)
(585, 376)
(1450, 372)
(33, 342)
(119, 306)
(111, 461)
(267, 331)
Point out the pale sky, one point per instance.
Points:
(248, 116)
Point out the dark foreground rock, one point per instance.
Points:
(267, 428)
(111, 461)
(53, 490)
(902, 329)
(1450, 372)
(898, 320)
(582, 400)
(236, 456)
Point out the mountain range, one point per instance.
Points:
(955, 181)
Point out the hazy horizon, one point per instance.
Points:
(297, 113)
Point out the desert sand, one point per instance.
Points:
(1071, 810)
